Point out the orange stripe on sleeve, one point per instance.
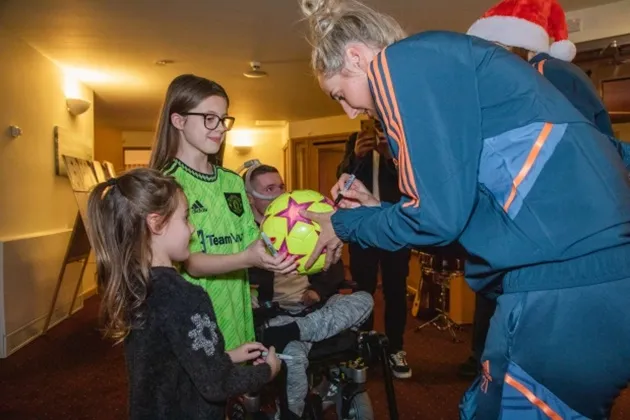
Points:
(405, 161)
(540, 404)
(380, 99)
(529, 163)
(386, 112)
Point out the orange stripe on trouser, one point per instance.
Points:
(532, 398)
(529, 163)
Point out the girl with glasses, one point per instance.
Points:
(225, 241)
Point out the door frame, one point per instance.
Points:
(309, 145)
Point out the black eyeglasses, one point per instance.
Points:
(212, 121)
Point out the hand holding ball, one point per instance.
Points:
(292, 233)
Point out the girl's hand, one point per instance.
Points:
(274, 363)
(258, 256)
(246, 352)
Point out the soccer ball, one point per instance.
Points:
(292, 233)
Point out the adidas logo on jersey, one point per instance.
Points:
(197, 208)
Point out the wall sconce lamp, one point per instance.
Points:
(242, 149)
(77, 106)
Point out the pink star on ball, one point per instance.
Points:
(292, 213)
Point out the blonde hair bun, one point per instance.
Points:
(320, 14)
(335, 23)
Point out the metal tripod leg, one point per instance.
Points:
(442, 317)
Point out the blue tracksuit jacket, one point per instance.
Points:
(492, 156)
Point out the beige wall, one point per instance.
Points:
(601, 21)
(33, 98)
(323, 126)
(137, 138)
(108, 145)
(266, 145)
(37, 208)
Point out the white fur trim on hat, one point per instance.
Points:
(512, 32)
(564, 50)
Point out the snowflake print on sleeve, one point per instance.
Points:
(208, 341)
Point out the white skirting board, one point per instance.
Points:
(29, 267)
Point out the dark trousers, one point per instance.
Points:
(364, 264)
(484, 309)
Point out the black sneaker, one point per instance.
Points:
(398, 363)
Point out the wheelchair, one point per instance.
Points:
(337, 376)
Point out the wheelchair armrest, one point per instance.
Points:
(340, 344)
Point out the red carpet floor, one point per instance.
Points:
(73, 374)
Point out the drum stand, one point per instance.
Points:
(443, 322)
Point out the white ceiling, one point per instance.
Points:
(120, 40)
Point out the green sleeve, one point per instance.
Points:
(250, 228)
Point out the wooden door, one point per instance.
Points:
(326, 157)
(299, 166)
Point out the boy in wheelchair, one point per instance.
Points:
(307, 309)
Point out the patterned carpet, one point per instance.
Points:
(73, 374)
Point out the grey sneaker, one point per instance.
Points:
(398, 363)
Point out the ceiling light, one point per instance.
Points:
(255, 72)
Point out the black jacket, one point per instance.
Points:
(387, 174)
(177, 364)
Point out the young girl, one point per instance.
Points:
(225, 241)
(176, 361)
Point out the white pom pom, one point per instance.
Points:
(563, 50)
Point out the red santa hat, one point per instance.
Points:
(528, 24)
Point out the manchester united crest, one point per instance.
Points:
(235, 203)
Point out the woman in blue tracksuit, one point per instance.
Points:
(498, 160)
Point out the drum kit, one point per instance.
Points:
(440, 270)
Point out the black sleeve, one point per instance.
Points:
(264, 280)
(326, 283)
(390, 167)
(349, 157)
(190, 326)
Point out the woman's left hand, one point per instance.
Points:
(328, 239)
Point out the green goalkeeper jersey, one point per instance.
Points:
(224, 224)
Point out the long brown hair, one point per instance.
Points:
(183, 94)
(117, 227)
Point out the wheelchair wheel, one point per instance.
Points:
(360, 408)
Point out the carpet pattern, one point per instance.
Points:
(72, 373)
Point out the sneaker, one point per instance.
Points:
(398, 363)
